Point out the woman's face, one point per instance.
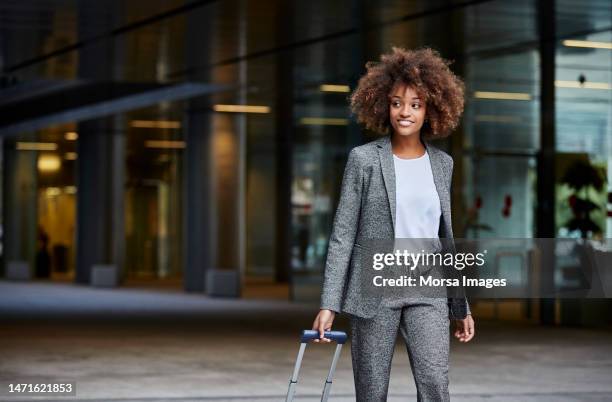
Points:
(406, 110)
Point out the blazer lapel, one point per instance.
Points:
(385, 153)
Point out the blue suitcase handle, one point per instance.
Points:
(310, 334)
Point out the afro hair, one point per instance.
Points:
(427, 73)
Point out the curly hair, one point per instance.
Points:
(427, 73)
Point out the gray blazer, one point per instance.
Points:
(366, 210)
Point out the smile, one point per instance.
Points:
(405, 123)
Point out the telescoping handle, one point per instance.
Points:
(307, 335)
(338, 336)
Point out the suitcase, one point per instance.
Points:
(308, 335)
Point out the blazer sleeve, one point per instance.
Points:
(344, 231)
(455, 305)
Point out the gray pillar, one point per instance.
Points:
(545, 223)
(197, 198)
(214, 164)
(19, 205)
(197, 156)
(100, 233)
(453, 47)
(284, 144)
(100, 228)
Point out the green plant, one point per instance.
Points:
(583, 178)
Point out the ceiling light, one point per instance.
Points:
(586, 85)
(323, 121)
(492, 118)
(53, 191)
(502, 95)
(587, 43)
(241, 108)
(166, 144)
(155, 124)
(335, 88)
(36, 146)
(48, 163)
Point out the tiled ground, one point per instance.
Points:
(143, 345)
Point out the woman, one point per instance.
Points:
(410, 97)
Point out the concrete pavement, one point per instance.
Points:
(166, 345)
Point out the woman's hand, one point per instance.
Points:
(464, 329)
(323, 322)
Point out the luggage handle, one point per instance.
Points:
(311, 334)
(308, 335)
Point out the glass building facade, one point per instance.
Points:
(201, 143)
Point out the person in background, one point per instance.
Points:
(43, 259)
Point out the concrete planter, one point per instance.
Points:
(18, 271)
(223, 283)
(104, 276)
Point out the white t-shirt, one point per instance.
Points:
(416, 199)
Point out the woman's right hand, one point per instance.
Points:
(323, 322)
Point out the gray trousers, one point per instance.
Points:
(424, 325)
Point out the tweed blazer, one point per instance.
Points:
(366, 210)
